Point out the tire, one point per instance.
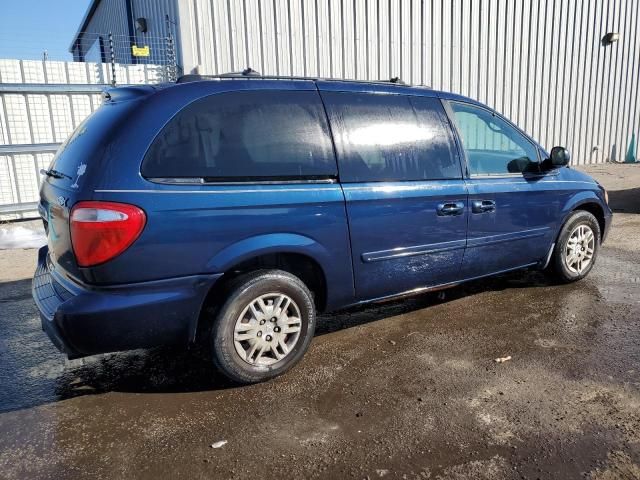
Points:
(248, 345)
(565, 267)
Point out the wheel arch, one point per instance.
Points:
(597, 211)
(587, 201)
(295, 254)
(303, 266)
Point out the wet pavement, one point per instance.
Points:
(407, 389)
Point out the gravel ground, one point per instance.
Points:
(405, 390)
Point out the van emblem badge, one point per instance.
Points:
(62, 201)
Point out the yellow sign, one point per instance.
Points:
(140, 51)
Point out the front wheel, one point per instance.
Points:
(265, 326)
(577, 247)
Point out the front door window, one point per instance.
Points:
(492, 145)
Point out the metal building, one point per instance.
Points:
(110, 27)
(566, 71)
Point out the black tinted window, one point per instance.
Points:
(245, 135)
(384, 138)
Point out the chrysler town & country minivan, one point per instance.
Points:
(268, 200)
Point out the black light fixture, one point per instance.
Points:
(141, 24)
(610, 38)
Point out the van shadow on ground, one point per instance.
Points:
(625, 201)
(35, 373)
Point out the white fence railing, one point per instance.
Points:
(47, 72)
(41, 103)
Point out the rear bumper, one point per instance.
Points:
(82, 320)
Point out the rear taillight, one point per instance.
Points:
(102, 230)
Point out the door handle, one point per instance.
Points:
(450, 208)
(483, 206)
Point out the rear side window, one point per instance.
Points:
(245, 136)
(391, 138)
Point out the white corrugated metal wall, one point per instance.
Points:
(539, 62)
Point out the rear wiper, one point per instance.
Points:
(54, 173)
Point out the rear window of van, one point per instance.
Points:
(83, 148)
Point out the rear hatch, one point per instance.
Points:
(71, 176)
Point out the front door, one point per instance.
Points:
(510, 209)
(405, 196)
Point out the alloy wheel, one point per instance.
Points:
(268, 329)
(579, 249)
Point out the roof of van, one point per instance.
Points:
(348, 84)
(250, 74)
(394, 85)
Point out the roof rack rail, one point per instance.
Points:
(249, 73)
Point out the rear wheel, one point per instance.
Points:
(264, 327)
(577, 247)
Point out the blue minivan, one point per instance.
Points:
(232, 209)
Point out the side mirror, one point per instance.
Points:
(559, 157)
